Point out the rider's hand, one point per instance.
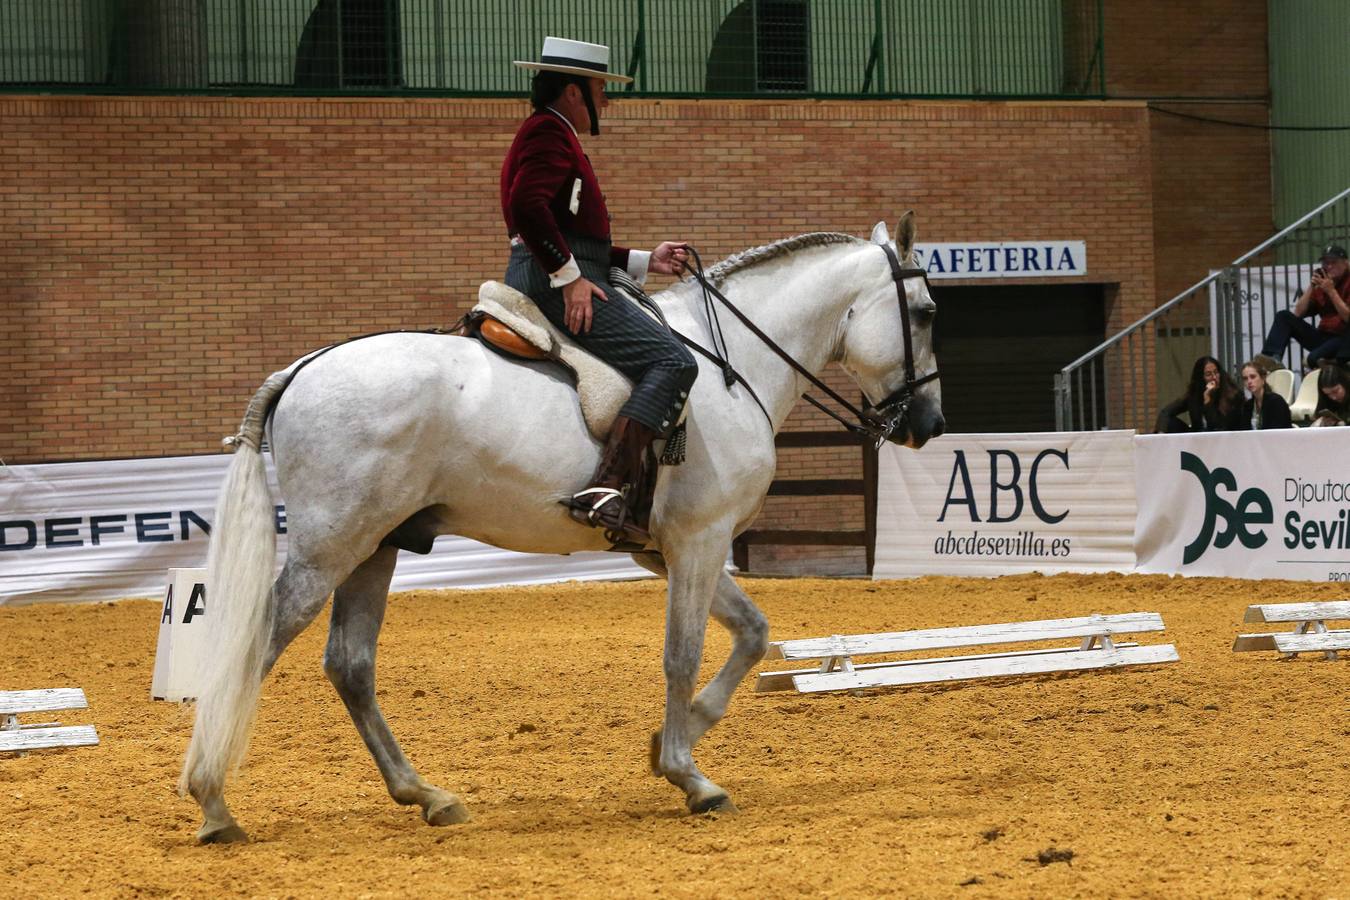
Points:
(577, 296)
(669, 258)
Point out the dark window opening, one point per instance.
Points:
(762, 46)
(351, 44)
(999, 347)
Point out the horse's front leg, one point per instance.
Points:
(750, 639)
(694, 572)
(749, 630)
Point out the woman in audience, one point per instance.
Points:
(1264, 409)
(1333, 388)
(1212, 401)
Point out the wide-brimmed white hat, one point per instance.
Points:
(574, 58)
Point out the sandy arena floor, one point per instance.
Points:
(1223, 774)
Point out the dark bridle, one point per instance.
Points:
(893, 411)
(878, 422)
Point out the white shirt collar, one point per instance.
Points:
(564, 118)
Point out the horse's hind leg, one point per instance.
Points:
(349, 662)
(298, 593)
(749, 635)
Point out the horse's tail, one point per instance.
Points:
(239, 567)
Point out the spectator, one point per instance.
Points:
(1333, 386)
(1212, 401)
(1264, 409)
(1326, 297)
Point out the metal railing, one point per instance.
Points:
(812, 48)
(1123, 382)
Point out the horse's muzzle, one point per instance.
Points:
(925, 422)
(906, 419)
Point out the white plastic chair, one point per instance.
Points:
(1281, 381)
(1302, 409)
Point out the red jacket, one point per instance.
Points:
(541, 172)
(1328, 318)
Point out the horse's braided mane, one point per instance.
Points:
(753, 257)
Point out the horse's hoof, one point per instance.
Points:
(654, 753)
(221, 834)
(718, 804)
(451, 812)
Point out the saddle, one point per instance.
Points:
(511, 323)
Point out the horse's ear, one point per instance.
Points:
(905, 233)
(879, 233)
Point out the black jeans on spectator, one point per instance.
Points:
(1319, 344)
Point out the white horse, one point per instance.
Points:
(389, 441)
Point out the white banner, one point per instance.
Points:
(1261, 504)
(106, 530)
(1004, 259)
(998, 504)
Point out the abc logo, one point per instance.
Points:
(1010, 489)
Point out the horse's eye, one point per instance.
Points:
(925, 314)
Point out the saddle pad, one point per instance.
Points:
(603, 390)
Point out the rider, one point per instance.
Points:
(560, 257)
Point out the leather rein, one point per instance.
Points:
(875, 422)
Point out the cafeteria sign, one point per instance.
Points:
(1006, 259)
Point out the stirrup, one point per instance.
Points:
(607, 494)
(626, 532)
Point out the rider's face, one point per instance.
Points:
(582, 118)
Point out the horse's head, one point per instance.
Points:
(897, 375)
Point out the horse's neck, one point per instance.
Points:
(800, 304)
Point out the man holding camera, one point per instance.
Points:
(1325, 297)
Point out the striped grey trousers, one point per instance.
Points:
(661, 369)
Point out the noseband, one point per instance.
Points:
(875, 422)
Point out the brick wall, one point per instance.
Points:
(1201, 48)
(162, 256)
(1212, 190)
(159, 256)
(1212, 183)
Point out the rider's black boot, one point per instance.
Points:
(609, 502)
